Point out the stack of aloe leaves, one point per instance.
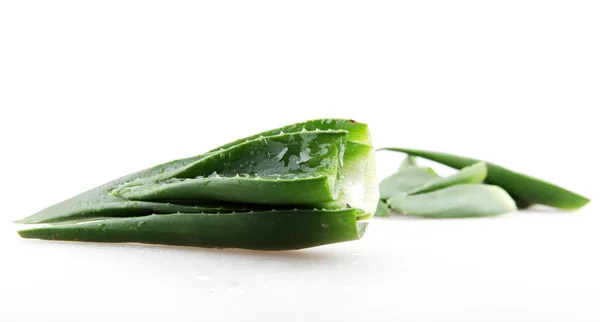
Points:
(302, 185)
(477, 189)
(298, 186)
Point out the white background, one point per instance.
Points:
(92, 90)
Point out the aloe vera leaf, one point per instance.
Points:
(525, 189)
(406, 180)
(383, 209)
(290, 168)
(462, 200)
(99, 202)
(264, 230)
(475, 173)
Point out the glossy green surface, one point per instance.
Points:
(462, 200)
(524, 189)
(267, 230)
(292, 168)
(329, 164)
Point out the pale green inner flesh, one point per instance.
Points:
(419, 191)
(461, 200)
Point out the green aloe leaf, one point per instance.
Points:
(462, 200)
(108, 200)
(524, 189)
(262, 230)
(475, 173)
(288, 168)
(319, 164)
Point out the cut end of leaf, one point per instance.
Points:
(328, 163)
(526, 190)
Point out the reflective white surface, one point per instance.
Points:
(92, 91)
(530, 266)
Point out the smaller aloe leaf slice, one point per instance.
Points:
(475, 173)
(462, 200)
(525, 189)
(260, 230)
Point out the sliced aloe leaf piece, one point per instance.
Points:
(406, 180)
(475, 173)
(383, 209)
(261, 230)
(525, 189)
(288, 168)
(462, 200)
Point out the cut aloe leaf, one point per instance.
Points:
(289, 168)
(325, 163)
(383, 209)
(525, 189)
(475, 173)
(405, 180)
(462, 200)
(311, 168)
(263, 230)
(329, 163)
